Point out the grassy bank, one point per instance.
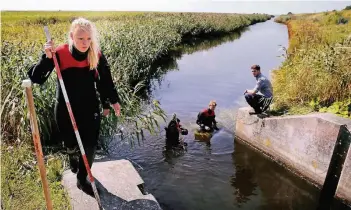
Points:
(132, 42)
(316, 75)
(21, 182)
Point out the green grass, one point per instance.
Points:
(132, 43)
(283, 18)
(316, 75)
(21, 186)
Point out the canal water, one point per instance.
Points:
(224, 174)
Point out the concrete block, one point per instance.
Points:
(344, 188)
(303, 143)
(118, 182)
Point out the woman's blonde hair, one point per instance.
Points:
(86, 25)
(212, 102)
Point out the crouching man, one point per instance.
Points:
(262, 95)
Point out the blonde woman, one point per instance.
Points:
(82, 66)
(206, 118)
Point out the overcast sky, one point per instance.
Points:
(231, 6)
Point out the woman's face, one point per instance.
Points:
(212, 107)
(81, 39)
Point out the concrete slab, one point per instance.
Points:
(344, 188)
(303, 143)
(118, 182)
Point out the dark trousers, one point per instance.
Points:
(88, 124)
(255, 101)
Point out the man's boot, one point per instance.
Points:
(256, 111)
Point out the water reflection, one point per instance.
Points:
(199, 44)
(168, 62)
(257, 177)
(171, 155)
(243, 179)
(276, 187)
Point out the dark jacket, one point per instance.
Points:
(207, 118)
(82, 87)
(79, 80)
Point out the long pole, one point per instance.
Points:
(91, 178)
(36, 139)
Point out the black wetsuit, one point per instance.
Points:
(173, 131)
(172, 134)
(80, 83)
(207, 118)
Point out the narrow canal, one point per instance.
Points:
(225, 174)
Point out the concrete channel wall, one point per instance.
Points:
(344, 188)
(305, 144)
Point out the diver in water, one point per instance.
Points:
(173, 131)
(206, 118)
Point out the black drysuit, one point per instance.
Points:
(81, 85)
